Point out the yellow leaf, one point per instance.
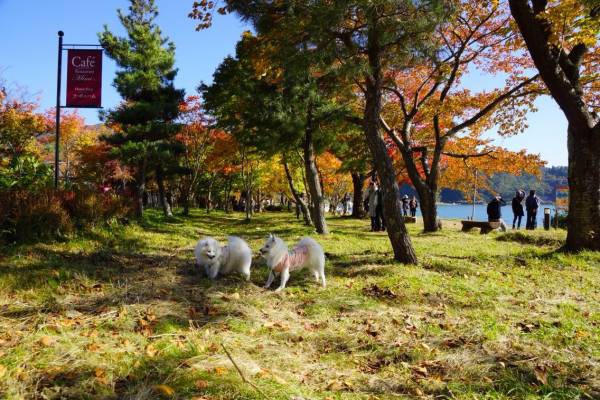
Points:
(165, 390)
(47, 341)
(2, 370)
(151, 350)
(334, 386)
(219, 370)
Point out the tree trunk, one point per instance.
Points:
(185, 201)
(249, 204)
(427, 198)
(297, 198)
(141, 188)
(358, 182)
(161, 192)
(312, 177)
(583, 220)
(560, 71)
(227, 195)
(392, 204)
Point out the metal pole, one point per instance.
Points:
(57, 143)
(474, 196)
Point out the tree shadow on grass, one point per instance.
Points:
(523, 238)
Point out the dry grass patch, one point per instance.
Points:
(123, 313)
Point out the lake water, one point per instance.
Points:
(463, 211)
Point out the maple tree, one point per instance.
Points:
(20, 125)
(195, 136)
(336, 183)
(73, 134)
(562, 39)
(427, 108)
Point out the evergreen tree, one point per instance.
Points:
(145, 120)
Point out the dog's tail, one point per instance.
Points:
(316, 257)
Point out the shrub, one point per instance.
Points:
(28, 216)
(32, 216)
(90, 208)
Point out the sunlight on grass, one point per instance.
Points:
(121, 311)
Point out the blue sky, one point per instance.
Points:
(28, 45)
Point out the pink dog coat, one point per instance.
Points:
(292, 259)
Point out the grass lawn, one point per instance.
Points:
(123, 313)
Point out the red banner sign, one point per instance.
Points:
(84, 78)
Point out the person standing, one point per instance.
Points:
(517, 208)
(413, 206)
(531, 205)
(379, 211)
(494, 211)
(371, 197)
(405, 205)
(345, 201)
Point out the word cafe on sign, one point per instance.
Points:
(84, 78)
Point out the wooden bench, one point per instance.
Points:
(410, 220)
(484, 226)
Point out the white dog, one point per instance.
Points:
(235, 257)
(307, 253)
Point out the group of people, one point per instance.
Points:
(373, 202)
(409, 206)
(532, 204)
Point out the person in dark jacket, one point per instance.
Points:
(405, 205)
(413, 206)
(494, 211)
(379, 210)
(532, 203)
(517, 209)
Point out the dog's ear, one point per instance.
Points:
(271, 236)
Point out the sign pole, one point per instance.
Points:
(57, 143)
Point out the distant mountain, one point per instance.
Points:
(507, 184)
(545, 188)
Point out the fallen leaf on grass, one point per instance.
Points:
(219, 370)
(339, 385)
(93, 347)
(164, 390)
(420, 371)
(425, 347)
(2, 370)
(527, 327)
(213, 347)
(541, 375)
(201, 384)
(280, 325)
(47, 341)
(334, 386)
(233, 296)
(376, 291)
(210, 310)
(151, 351)
(101, 377)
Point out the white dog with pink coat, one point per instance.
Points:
(306, 254)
